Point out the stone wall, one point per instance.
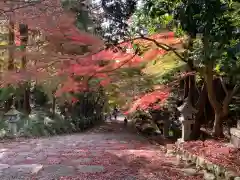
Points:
(211, 170)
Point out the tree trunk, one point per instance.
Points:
(218, 125)
(187, 80)
(10, 64)
(11, 36)
(218, 111)
(26, 101)
(53, 106)
(186, 87)
(23, 29)
(200, 106)
(192, 89)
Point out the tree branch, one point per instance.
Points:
(229, 96)
(224, 85)
(158, 44)
(114, 69)
(208, 76)
(165, 47)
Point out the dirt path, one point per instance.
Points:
(109, 152)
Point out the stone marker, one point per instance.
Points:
(12, 116)
(235, 135)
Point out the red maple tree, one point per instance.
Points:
(59, 52)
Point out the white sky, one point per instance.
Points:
(107, 22)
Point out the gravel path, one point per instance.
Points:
(109, 152)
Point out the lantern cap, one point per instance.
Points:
(187, 107)
(12, 112)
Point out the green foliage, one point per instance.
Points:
(156, 16)
(40, 96)
(6, 93)
(127, 83)
(141, 115)
(40, 124)
(83, 20)
(164, 68)
(129, 72)
(213, 26)
(84, 114)
(214, 21)
(90, 105)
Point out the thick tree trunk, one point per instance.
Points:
(10, 64)
(11, 36)
(23, 29)
(187, 81)
(192, 89)
(218, 125)
(218, 111)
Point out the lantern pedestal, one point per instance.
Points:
(12, 128)
(187, 127)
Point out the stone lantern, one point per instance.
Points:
(187, 119)
(12, 116)
(235, 135)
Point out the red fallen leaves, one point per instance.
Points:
(216, 152)
(139, 160)
(53, 160)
